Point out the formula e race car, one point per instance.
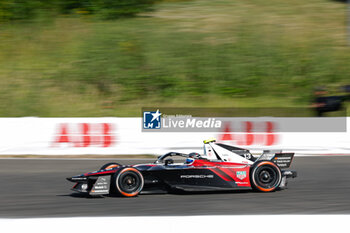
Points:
(221, 167)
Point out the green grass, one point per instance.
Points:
(222, 53)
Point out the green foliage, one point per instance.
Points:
(106, 9)
(194, 53)
(67, 6)
(17, 9)
(111, 9)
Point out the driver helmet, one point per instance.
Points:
(189, 160)
(194, 155)
(191, 157)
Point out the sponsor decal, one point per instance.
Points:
(100, 187)
(242, 183)
(249, 133)
(241, 175)
(78, 178)
(196, 176)
(152, 120)
(100, 191)
(84, 135)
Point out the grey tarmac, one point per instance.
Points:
(38, 188)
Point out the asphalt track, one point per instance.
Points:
(37, 188)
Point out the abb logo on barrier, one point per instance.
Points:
(249, 135)
(85, 135)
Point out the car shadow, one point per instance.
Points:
(180, 192)
(173, 192)
(80, 195)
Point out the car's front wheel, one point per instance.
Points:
(265, 176)
(127, 182)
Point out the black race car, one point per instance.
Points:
(221, 167)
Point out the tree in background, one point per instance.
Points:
(105, 9)
(110, 9)
(17, 9)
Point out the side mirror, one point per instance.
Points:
(168, 161)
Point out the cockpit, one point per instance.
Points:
(177, 158)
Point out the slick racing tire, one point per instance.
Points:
(110, 165)
(265, 176)
(127, 182)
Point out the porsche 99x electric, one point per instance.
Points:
(221, 167)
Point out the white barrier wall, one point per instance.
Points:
(106, 136)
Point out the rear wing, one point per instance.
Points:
(282, 160)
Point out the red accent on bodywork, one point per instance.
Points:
(100, 173)
(226, 170)
(202, 162)
(221, 174)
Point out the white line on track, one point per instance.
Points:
(203, 224)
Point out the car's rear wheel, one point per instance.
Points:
(127, 182)
(110, 165)
(265, 176)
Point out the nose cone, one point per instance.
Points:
(77, 178)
